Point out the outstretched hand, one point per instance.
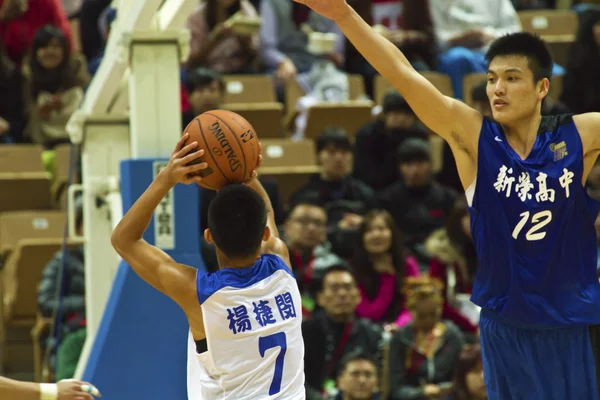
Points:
(185, 163)
(332, 9)
(254, 173)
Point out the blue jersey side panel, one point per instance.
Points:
(533, 227)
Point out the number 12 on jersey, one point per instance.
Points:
(269, 342)
(538, 221)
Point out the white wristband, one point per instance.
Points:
(48, 391)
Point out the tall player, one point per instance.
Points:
(531, 218)
(246, 317)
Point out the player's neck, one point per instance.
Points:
(226, 262)
(521, 135)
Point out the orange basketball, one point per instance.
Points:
(230, 145)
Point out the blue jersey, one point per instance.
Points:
(532, 223)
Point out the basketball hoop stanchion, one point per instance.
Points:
(131, 110)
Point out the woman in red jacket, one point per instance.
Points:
(454, 263)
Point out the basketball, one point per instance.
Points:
(230, 145)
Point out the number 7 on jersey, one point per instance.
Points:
(269, 342)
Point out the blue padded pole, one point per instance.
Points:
(140, 351)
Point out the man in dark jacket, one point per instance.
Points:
(335, 331)
(345, 198)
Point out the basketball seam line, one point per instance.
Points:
(209, 150)
(237, 140)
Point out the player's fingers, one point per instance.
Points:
(181, 142)
(196, 167)
(192, 156)
(259, 161)
(186, 149)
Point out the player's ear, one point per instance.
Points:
(544, 88)
(266, 234)
(208, 236)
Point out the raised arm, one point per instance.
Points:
(451, 119)
(274, 245)
(152, 264)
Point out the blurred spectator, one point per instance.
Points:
(65, 277)
(534, 4)
(454, 263)
(464, 29)
(283, 40)
(72, 8)
(20, 20)
(219, 44)
(408, 25)
(381, 266)
(418, 204)
(92, 36)
(581, 86)
(106, 19)
(425, 353)
(375, 150)
(12, 120)
(305, 233)
(335, 331)
(358, 377)
(468, 380)
(345, 198)
(54, 82)
(205, 90)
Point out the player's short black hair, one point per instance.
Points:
(334, 136)
(357, 354)
(200, 78)
(237, 217)
(527, 45)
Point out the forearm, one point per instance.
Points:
(258, 188)
(11, 389)
(135, 222)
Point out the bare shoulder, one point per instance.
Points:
(179, 282)
(588, 126)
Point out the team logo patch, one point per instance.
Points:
(559, 150)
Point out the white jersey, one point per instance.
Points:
(252, 317)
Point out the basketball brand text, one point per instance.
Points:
(234, 162)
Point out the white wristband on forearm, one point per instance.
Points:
(48, 391)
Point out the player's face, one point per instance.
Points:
(51, 55)
(378, 236)
(305, 227)
(340, 295)
(426, 314)
(336, 162)
(513, 94)
(475, 383)
(359, 380)
(416, 173)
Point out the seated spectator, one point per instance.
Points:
(418, 204)
(92, 38)
(358, 377)
(107, 17)
(468, 380)
(21, 19)
(72, 323)
(12, 120)
(283, 41)
(305, 233)
(581, 84)
(216, 44)
(345, 198)
(335, 332)
(454, 263)
(423, 355)
(464, 29)
(381, 265)
(408, 26)
(205, 91)
(54, 82)
(375, 149)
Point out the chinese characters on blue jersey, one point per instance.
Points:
(523, 186)
(240, 321)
